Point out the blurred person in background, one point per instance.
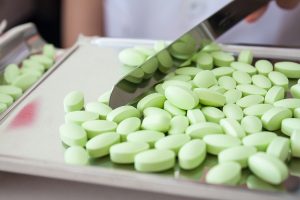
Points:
(156, 19)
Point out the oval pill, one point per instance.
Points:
(76, 155)
(205, 79)
(255, 183)
(228, 173)
(3, 107)
(244, 67)
(146, 136)
(264, 66)
(178, 124)
(295, 144)
(258, 109)
(73, 101)
(11, 90)
(233, 111)
(202, 129)
(280, 148)
(172, 142)
(279, 79)
(289, 125)
(260, 140)
(216, 143)
(232, 96)
(289, 69)
(290, 103)
(156, 111)
(274, 94)
(251, 124)
(251, 90)
(222, 71)
(131, 57)
(151, 100)
(204, 60)
(173, 109)
(24, 81)
(227, 82)
(232, 127)
(128, 126)
(6, 99)
(213, 114)
(192, 154)
(119, 114)
(96, 127)
(181, 97)
(272, 118)
(73, 135)
(295, 91)
(210, 98)
(156, 123)
(222, 59)
(250, 100)
(11, 72)
(79, 117)
(261, 81)
(100, 108)
(245, 56)
(191, 71)
(124, 153)
(195, 116)
(241, 77)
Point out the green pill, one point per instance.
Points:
(104, 98)
(295, 91)
(181, 97)
(260, 140)
(73, 101)
(11, 72)
(168, 106)
(202, 129)
(190, 71)
(213, 114)
(251, 90)
(156, 111)
(159, 123)
(289, 125)
(79, 117)
(76, 155)
(99, 145)
(232, 96)
(96, 127)
(151, 100)
(43, 60)
(3, 107)
(176, 83)
(172, 142)
(32, 65)
(222, 59)
(24, 81)
(297, 112)
(232, 127)
(195, 116)
(264, 67)
(100, 108)
(180, 78)
(261, 81)
(272, 118)
(289, 69)
(119, 114)
(279, 79)
(258, 109)
(250, 100)
(6, 99)
(274, 94)
(222, 71)
(49, 50)
(131, 57)
(178, 125)
(217, 88)
(210, 98)
(233, 111)
(290, 103)
(269, 168)
(204, 60)
(154, 160)
(192, 154)
(241, 77)
(128, 126)
(124, 153)
(244, 67)
(280, 148)
(227, 82)
(205, 79)
(295, 144)
(251, 124)
(148, 52)
(255, 183)
(73, 135)
(239, 154)
(245, 56)
(146, 136)
(11, 90)
(228, 173)
(215, 143)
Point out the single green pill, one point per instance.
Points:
(279, 79)
(258, 109)
(215, 143)
(6, 99)
(241, 77)
(250, 100)
(289, 125)
(272, 118)
(260, 140)
(232, 127)
(228, 173)
(205, 79)
(154, 160)
(73, 101)
(156, 111)
(119, 114)
(49, 50)
(151, 100)
(104, 98)
(269, 168)
(79, 117)
(217, 88)
(295, 144)
(251, 124)
(295, 91)
(280, 148)
(128, 126)
(297, 113)
(190, 71)
(222, 71)
(73, 135)
(233, 111)
(11, 72)
(232, 96)
(210, 98)
(255, 183)
(178, 125)
(290, 103)
(181, 97)
(244, 67)
(131, 57)
(204, 60)
(261, 81)
(245, 56)
(264, 67)
(168, 106)
(146, 136)
(32, 65)
(76, 155)
(99, 145)
(222, 59)
(100, 108)
(247, 89)
(176, 83)
(239, 154)
(202, 129)
(192, 154)
(124, 153)
(43, 60)
(227, 82)
(195, 116)
(24, 81)
(96, 127)
(274, 94)
(3, 107)
(213, 114)
(159, 123)
(290, 69)
(11, 90)
(172, 142)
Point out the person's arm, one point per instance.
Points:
(79, 16)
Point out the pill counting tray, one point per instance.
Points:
(30, 143)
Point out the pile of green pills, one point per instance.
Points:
(17, 79)
(215, 103)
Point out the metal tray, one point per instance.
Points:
(30, 143)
